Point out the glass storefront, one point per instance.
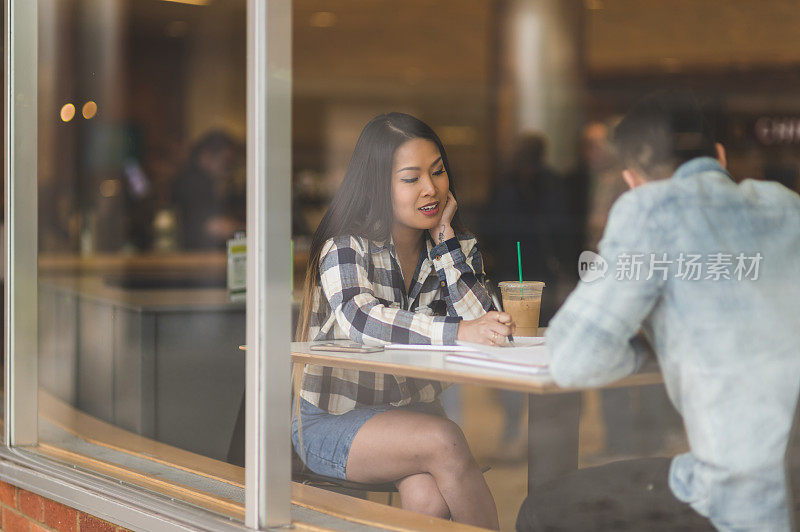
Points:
(524, 96)
(149, 144)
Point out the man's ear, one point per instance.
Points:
(632, 178)
(721, 156)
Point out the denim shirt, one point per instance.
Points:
(727, 337)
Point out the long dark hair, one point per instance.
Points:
(363, 204)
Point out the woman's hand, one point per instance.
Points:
(443, 230)
(449, 209)
(492, 328)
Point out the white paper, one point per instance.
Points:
(529, 351)
(441, 348)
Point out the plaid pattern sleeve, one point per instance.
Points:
(459, 266)
(349, 275)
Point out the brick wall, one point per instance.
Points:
(23, 511)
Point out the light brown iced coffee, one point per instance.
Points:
(523, 301)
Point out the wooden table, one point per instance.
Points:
(553, 413)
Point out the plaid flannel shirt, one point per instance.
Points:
(362, 297)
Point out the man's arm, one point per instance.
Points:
(592, 338)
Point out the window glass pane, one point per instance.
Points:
(3, 217)
(141, 195)
(525, 96)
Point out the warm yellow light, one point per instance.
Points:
(109, 188)
(190, 2)
(323, 19)
(89, 110)
(67, 112)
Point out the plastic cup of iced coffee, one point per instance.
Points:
(523, 301)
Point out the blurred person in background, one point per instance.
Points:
(597, 159)
(529, 205)
(210, 202)
(118, 203)
(603, 183)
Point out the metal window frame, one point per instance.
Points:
(268, 474)
(267, 454)
(21, 232)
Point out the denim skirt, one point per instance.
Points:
(327, 437)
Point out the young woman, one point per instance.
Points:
(391, 262)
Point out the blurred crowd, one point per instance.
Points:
(553, 216)
(142, 202)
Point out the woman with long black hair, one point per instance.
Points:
(391, 262)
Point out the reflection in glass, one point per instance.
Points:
(141, 185)
(139, 192)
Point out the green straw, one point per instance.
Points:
(519, 261)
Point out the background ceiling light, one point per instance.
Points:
(323, 19)
(67, 112)
(190, 2)
(89, 110)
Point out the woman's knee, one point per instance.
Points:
(447, 446)
(419, 493)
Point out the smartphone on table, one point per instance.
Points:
(347, 347)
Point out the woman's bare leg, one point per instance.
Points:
(420, 494)
(396, 444)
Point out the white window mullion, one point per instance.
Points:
(20, 232)
(267, 453)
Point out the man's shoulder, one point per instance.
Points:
(655, 193)
(649, 211)
(667, 197)
(770, 193)
(713, 188)
(640, 202)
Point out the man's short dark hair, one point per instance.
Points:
(662, 131)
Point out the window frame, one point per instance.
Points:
(268, 474)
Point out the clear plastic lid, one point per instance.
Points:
(525, 289)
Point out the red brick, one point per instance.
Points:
(8, 494)
(90, 523)
(31, 505)
(14, 522)
(60, 517)
(38, 528)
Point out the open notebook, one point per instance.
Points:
(529, 356)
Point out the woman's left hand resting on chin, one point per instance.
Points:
(492, 328)
(443, 230)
